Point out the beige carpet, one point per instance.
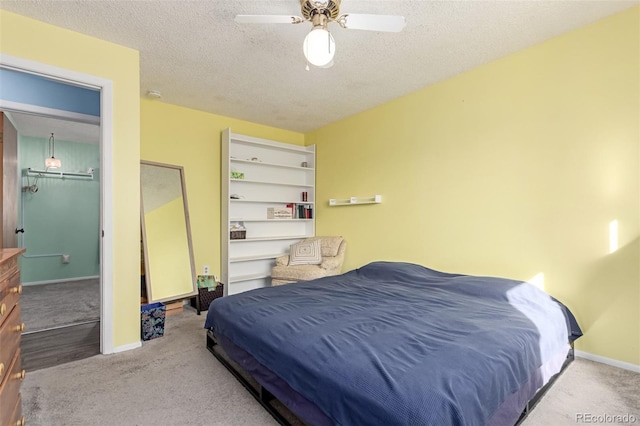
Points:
(174, 380)
(590, 390)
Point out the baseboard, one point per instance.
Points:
(608, 361)
(63, 280)
(130, 346)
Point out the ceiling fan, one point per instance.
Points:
(319, 45)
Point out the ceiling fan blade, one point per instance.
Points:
(268, 19)
(358, 21)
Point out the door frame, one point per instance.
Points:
(105, 87)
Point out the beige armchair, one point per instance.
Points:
(332, 255)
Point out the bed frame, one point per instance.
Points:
(264, 397)
(536, 398)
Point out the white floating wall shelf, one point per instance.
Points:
(49, 173)
(352, 201)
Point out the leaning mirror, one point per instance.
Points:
(166, 236)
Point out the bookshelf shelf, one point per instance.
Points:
(257, 257)
(244, 200)
(272, 183)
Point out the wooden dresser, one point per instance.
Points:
(11, 327)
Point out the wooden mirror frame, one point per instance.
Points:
(168, 256)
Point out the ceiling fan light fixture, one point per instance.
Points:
(319, 47)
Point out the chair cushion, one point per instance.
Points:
(305, 253)
(330, 245)
(299, 273)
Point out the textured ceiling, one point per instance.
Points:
(198, 57)
(42, 127)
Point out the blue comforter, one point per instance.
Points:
(397, 343)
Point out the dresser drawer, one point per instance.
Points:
(10, 387)
(16, 418)
(8, 267)
(10, 334)
(10, 290)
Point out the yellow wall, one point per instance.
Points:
(191, 138)
(513, 169)
(33, 40)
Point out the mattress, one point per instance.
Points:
(398, 343)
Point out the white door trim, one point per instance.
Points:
(106, 176)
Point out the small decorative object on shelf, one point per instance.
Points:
(238, 234)
(279, 213)
(237, 175)
(237, 231)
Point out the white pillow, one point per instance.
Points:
(305, 253)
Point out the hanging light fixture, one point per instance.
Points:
(319, 45)
(52, 162)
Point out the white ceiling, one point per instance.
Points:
(197, 57)
(42, 127)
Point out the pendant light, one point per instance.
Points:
(52, 162)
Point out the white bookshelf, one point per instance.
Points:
(273, 177)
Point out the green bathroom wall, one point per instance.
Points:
(63, 216)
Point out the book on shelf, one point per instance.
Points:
(301, 211)
(292, 207)
(305, 211)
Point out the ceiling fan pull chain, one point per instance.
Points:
(328, 42)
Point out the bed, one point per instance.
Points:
(396, 343)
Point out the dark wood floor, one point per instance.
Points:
(46, 348)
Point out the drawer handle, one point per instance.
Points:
(18, 328)
(17, 289)
(1, 368)
(3, 309)
(20, 375)
(20, 422)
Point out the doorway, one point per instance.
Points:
(58, 222)
(106, 214)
